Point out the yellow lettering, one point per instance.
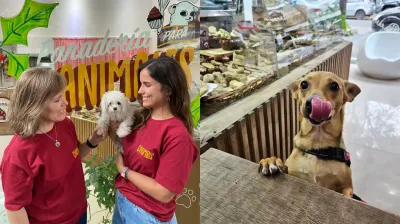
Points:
(111, 64)
(145, 153)
(102, 78)
(180, 57)
(123, 69)
(102, 75)
(75, 153)
(91, 84)
(67, 68)
(81, 77)
(141, 57)
(171, 52)
(155, 55)
(149, 155)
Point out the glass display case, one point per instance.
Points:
(233, 61)
(260, 41)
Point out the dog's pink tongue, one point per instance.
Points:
(321, 109)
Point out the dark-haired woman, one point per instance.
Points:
(160, 151)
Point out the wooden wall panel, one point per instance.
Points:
(84, 128)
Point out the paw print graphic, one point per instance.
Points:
(186, 198)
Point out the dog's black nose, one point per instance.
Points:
(308, 106)
(115, 108)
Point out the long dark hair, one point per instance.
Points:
(172, 78)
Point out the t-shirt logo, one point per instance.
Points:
(145, 153)
(75, 153)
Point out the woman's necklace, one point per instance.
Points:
(57, 142)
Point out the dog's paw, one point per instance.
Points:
(271, 166)
(123, 131)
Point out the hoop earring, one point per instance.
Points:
(168, 99)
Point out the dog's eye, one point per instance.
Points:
(184, 13)
(119, 103)
(192, 14)
(304, 85)
(334, 86)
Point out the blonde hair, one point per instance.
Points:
(33, 89)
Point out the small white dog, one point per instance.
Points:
(115, 106)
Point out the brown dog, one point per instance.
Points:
(319, 155)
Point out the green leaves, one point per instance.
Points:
(33, 15)
(100, 183)
(16, 29)
(195, 109)
(17, 63)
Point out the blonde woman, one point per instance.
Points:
(41, 169)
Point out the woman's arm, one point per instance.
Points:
(18, 217)
(17, 187)
(95, 139)
(146, 184)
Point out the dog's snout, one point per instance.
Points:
(115, 108)
(308, 106)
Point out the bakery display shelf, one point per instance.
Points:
(236, 75)
(216, 53)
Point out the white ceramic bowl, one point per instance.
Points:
(379, 57)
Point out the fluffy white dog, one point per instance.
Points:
(115, 106)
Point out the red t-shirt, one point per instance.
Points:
(46, 180)
(164, 151)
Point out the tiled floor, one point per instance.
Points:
(372, 135)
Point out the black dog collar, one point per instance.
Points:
(330, 153)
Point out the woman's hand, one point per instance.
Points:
(95, 139)
(114, 125)
(112, 131)
(119, 161)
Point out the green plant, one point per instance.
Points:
(100, 178)
(195, 109)
(345, 25)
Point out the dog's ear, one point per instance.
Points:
(125, 105)
(351, 90)
(172, 8)
(293, 88)
(103, 103)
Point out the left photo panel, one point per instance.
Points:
(99, 111)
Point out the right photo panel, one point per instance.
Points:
(275, 135)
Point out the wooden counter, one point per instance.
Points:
(232, 191)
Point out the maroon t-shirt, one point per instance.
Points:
(46, 180)
(165, 151)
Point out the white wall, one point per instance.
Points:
(84, 18)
